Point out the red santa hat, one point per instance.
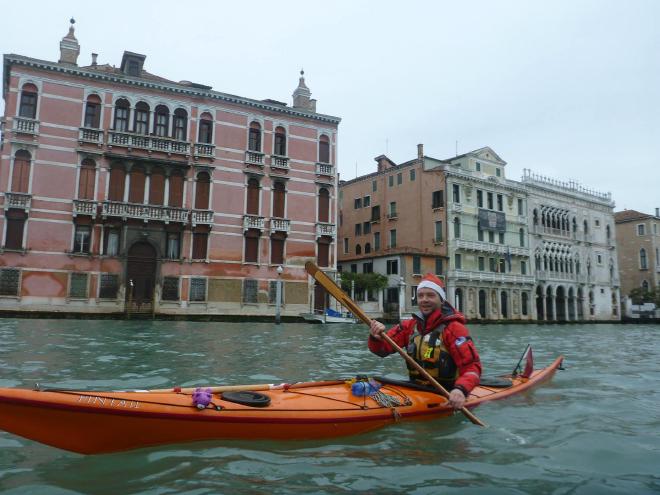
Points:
(432, 282)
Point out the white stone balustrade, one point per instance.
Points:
(488, 247)
(21, 201)
(254, 158)
(324, 169)
(201, 217)
(144, 212)
(253, 222)
(203, 149)
(25, 125)
(280, 225)
(84, 207)
(89, 135)
(149, 143)
(279, 161)
(490, 277)
(327, 229)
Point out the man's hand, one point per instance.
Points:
(456, 399)
(376, 328)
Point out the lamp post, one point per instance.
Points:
(278, 295)
(402, 297)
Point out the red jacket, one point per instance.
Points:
(455, 337)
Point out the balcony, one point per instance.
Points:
(325, 229)
(146, 213)
(490, 277)
(89, 135)
(488, 247)
(201, 217)
(324, 169)
(148, 143)
(84, 207)
(281, 162)
(253, 222)
(21, 201)
(204, 150)
(24, 125)
(254, 158)
(280, 225)
(393, 215)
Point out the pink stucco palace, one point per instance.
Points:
(125, 191)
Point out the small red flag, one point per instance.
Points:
(529, 365)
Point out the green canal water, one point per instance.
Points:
(595, 428)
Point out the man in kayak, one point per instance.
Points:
(437, 339)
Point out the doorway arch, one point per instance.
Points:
(141, 273)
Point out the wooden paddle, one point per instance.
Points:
(349, 304)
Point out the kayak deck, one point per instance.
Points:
(92, 422)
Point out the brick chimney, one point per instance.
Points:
(420, 151)
(69, 47)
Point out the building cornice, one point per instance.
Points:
(491, 181)
(12, 59)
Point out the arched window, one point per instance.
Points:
(254, 141)
(202, 191)
(180, 124)
(608, 232)
(116, 186)
(162, 121)
(20, 178)
(280, 142)
(521, 234)
(28, 105)
(324, 149)
(141, 118)
(252, 207)
(324, 205)
(205, 134)
(643, 264)
(457, 228)
(586, 227)
(524, 303)
(358, 249)
(157, 187)
(367, 248)
(93, 112)
(279, 200)
(122, 109)
(87, 179)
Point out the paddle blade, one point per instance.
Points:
(529, 365)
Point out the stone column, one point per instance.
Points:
(166, 193)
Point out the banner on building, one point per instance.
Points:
(492, 220)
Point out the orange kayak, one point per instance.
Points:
(91, 422)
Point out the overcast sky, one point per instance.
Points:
(569, 89)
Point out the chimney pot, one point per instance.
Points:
(420, 151)
(94, 55)
(657, 212)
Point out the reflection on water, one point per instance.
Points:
(592, 429)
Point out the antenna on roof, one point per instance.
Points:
(356, 169)
(456, 148)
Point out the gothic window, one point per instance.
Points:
(205, 134)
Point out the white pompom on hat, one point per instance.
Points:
(432, 282)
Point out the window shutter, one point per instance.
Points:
(14, 236)
(324, 205)
(253, 197)
(202, 189)
(116, 189)
(200, 242)
(136, 192)
(157, 188)
(20, 181)
(279, 195)
(176, 191)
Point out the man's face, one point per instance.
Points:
(428, 301)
